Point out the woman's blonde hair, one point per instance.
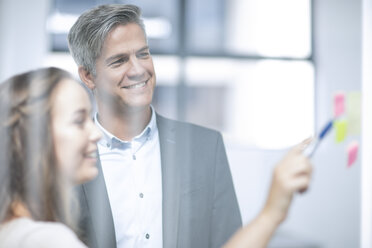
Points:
(28, 168)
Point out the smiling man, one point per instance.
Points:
(162, 183)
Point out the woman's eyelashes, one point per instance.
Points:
(80, 118)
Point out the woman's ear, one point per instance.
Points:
(86, 77)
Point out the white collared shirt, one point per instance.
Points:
(132, 172)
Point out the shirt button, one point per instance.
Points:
(147, 236)
(141, 195)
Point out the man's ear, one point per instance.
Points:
(86, 77)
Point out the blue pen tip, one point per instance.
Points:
(326, 129)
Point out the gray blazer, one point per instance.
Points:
(200, 208)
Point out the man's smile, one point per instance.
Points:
(137, 85)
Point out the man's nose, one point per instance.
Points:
(136, 70)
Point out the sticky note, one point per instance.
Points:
(340, 127)
(352, 153)
(353, 110)
(338, 104)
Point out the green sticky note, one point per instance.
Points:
(353, 110)
(340, 127)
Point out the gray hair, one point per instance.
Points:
(87, 35)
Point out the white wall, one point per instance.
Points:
(366, 220)
(23, 40)
(328, 215)
(338, 66)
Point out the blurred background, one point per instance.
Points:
(263, 72)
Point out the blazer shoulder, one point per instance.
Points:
(185, 127)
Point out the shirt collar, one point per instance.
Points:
(111, 141)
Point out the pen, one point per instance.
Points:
(311, 148)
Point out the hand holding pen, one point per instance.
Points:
(311, 148)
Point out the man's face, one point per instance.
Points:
(125, 76)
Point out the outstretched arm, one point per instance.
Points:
(291, 175)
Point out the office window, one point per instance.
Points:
(269, 28)
(243, 67)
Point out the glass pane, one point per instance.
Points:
(273, 28)
(267, 104)
(205, 26)
(161, 21)
(270, 28)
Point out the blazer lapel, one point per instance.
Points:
(100, 211)
(170, 182)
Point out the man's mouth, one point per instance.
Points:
(137, 85)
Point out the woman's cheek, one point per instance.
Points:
(71, 156)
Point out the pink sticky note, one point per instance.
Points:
(352, 153)
(339, 104)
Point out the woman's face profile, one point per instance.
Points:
(74, 133)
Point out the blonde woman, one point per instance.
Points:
(47, 145)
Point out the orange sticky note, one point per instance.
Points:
(340, 127)
(352, 153)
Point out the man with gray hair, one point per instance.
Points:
(162, 183)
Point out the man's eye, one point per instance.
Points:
(144, 54)
(119, 61)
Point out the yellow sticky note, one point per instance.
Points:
(353, 109)
(340, 127)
